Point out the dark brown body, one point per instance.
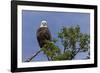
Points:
(43, 34)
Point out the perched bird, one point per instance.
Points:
(43, 34)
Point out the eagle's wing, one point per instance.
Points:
(47, 34)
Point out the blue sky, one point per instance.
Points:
(31, 21)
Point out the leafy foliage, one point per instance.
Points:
(63, 56)
(73, 42)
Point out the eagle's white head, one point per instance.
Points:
(43, 23)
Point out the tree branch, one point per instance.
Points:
(30, 59)
(75, 53)
(48, 58)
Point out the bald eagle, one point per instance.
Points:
(43, 34)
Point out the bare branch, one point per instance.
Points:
(30, 59)
(75, 53)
